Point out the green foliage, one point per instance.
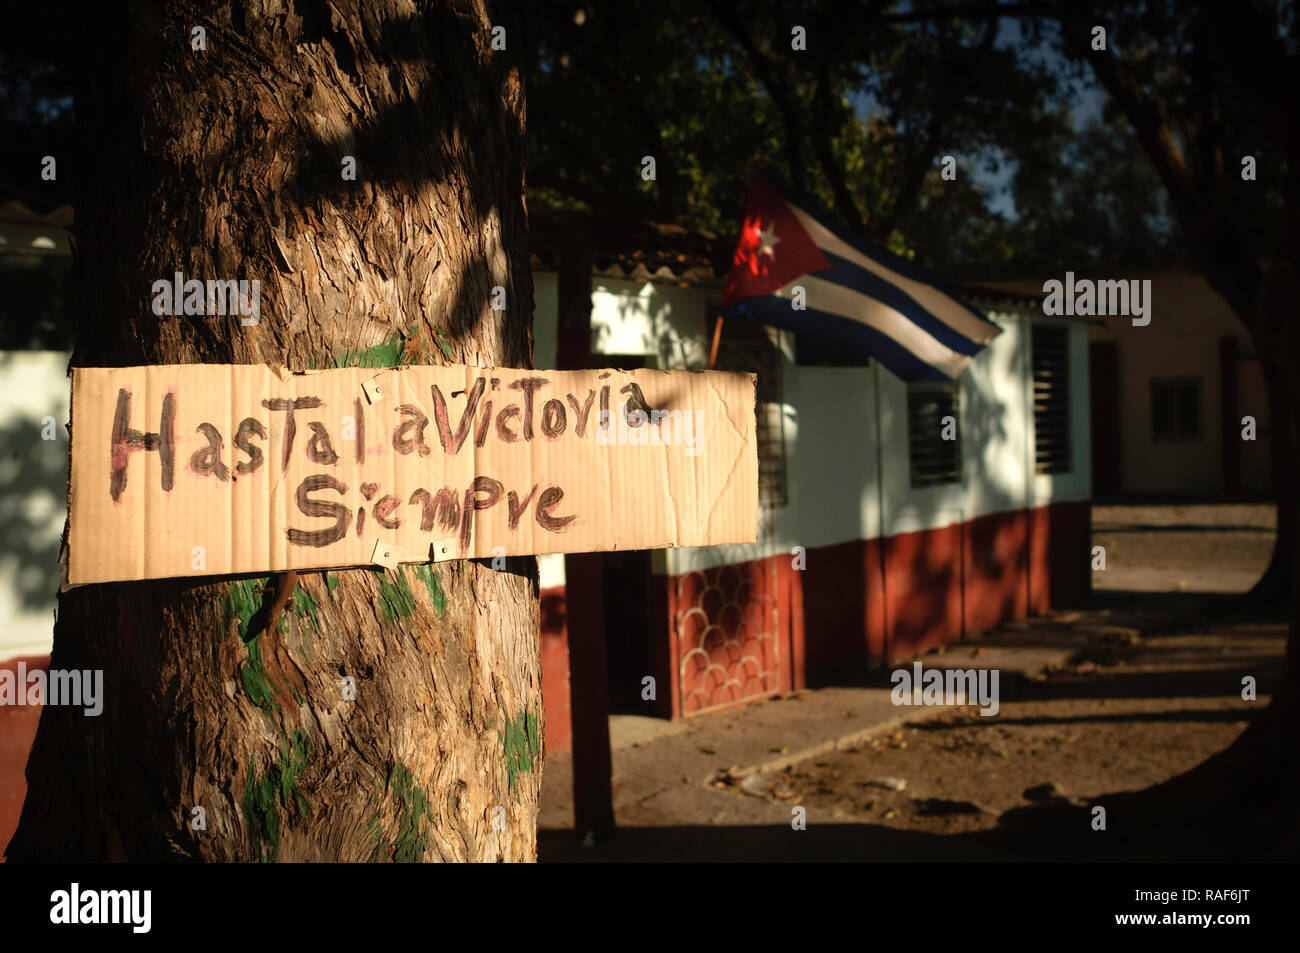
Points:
(712, 94)
(602, 96)
(1218, 77)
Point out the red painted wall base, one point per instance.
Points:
(17, 732)
(736, 633)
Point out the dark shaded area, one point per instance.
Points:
(1053, 832)
(36, 95)
(820, 842)
(628, 633)
(29, 470)
(1179, 611)
(1225, 715)
(1182, 528)
(35, 303)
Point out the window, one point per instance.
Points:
(750, 346)
(1176, 409)
(934, 459)
(1051, 360)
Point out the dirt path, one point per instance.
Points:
(1163, 706)
(1159, 694)
(1189, 548)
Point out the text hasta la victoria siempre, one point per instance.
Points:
(449, 454)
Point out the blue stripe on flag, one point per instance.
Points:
(770, 309)
(875, 252)
(855, 278)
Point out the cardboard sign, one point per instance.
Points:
(203, 469)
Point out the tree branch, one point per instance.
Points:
(765, 67)
(1223, 252)
(918, 164)
(975, 11)
(1248, 46)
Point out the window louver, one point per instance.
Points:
(1051, 359)
(933, 460)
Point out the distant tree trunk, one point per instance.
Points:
(1250, 292)
(1259, 769)
(228, 162)
(1277, 583)
(1261, 765)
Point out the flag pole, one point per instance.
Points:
(880, 507)
(717, 337)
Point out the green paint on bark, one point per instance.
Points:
(274, 792)
(331, 583)
(444, 344)
(521, 743)
(304, 605)
(243, 599)
(390, 353)
(255, 678)
(432, 583)
(413, 808)
(396, 600)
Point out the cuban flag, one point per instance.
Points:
(855, 293)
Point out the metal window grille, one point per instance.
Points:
(749, 346)
(1051, 361)
(933, 460)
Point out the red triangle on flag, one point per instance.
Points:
(773, 249)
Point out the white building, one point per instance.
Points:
(973, 531)
(1169, 397)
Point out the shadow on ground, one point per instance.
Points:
(825, 842)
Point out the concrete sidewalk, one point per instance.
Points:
(666, 774)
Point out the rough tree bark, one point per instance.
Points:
(226, 162)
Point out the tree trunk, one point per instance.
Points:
(1276, 584)
(1259, 768)
(225, 163)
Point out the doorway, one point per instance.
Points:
(1103, 385)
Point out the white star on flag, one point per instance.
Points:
(859, 295)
